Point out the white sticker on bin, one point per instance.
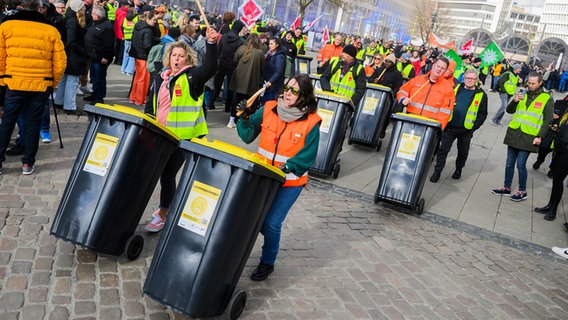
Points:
(199, 208)
(326, 118)
(370, 106)
(101, 154)
(408, 148)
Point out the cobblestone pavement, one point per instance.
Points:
(342, 257)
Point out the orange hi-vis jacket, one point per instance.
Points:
(432, 100)
(280, 141)
(329, 51)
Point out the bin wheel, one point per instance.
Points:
(336, 169)
(420, 206)
(379, 145)
(134, 246)
(237, 304)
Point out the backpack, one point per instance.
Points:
(154, 62)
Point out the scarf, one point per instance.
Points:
(288, 114)
(269, 54)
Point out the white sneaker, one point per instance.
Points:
(79, 92)
(86, 89)
(563, 252)
(231, 124)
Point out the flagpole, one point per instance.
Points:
(478, 34)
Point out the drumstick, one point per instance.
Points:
(202, 13)
(251, 100)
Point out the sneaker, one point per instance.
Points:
(79, 92)
(156, 225)
(495, 123)
(27, 169)
(231, 124)
(501, 190)
(261, 272)
(45, 137)
(85, 89)
(519, 196)
(563, 252)
(16, 150)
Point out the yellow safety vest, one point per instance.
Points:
(530, 118)
(345, 85)
(511, 85)
(472, 110)
(407, 69)
(111, 12)
(128, 28)
(186, 117)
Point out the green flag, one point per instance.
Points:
(490, 55)
(452, 55)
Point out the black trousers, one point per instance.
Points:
(559, 168)
(222, 72)
(448, 136)
(168, 178)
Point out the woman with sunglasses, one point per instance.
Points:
(289, 138)
(375, 64)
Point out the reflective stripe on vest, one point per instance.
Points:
(186, 118)
(343, 85)
(530, 119)
(278, 147)
(128, 28)
(471, 114)
(511, 85)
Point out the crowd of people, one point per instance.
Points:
(180, 68)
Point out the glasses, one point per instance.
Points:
(292, 89)
(377, 59)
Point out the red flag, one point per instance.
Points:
(466, 48)
(325, 37)
(311, 24)
(295, 24)
(251, 10)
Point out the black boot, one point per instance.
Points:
(544, 209)
(457, 174)
(551, 214)
(261, 272)
(435, 177)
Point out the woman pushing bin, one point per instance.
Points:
(177, 96)
(289, 138)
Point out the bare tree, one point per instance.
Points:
(426, 18)
(303, 4)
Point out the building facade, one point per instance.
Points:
(555, 19)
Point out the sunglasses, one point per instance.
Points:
(292, 89)
(377, 59)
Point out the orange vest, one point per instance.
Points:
(280, 141)
(329, 51)
(434, 101)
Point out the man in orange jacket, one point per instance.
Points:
(329, 51)
(429, 95)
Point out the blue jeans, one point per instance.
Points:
(66, 94)
(272, 226)
(501, 112)
(98, 76)
(520, 157)
(44, 126)
(127, 60)
(16, 102)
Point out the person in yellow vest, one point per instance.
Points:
(470, 111)
(128, 23)
(370, 51)
(257, 24)
(299, 41)
(160, 12)
(496, 71)
(289, 139)
(177, 96)
(405, 66)
(506, 86)
(110, 9)
(360, 52)
(345, 76)
(532, 111)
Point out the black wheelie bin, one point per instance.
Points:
(411, 149)
(335, 111)
(371, 116)
(215, 217)
(303, 64)
(118, 165)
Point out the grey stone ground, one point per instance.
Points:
(342, 257)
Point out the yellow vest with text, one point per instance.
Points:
(345, 85)
(511, 85)
(128, 28)
(530, 118)
(472, 110)
(186, 118)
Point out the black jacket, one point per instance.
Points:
(228, 45)
(392, 78)
(74, 45)
(360, 80)
(99, 41)
(143, 39)
(481, 111)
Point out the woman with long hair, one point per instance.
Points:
(274, 68)
(143, 39)
(289, 136)
(247, 76)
